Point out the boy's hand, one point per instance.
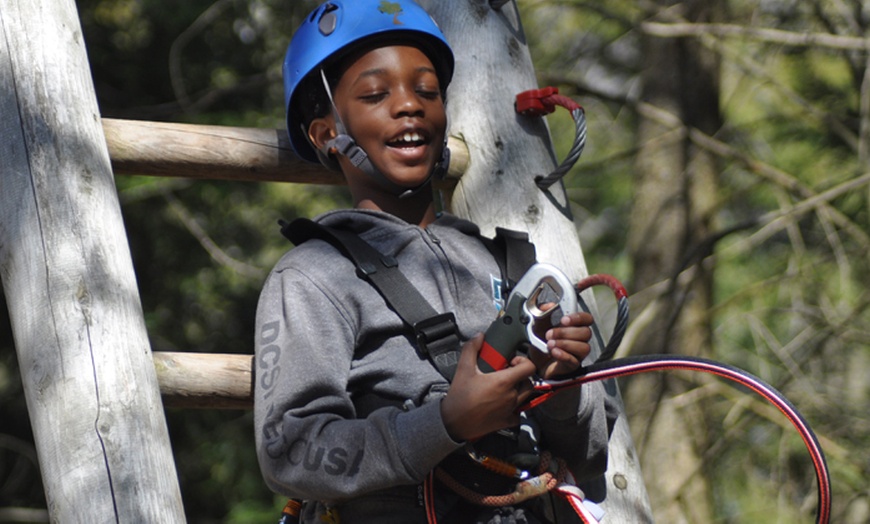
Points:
(479, 403)
(568, 345)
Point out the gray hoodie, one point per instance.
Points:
(346, 411)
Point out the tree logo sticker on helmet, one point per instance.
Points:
(391, 8)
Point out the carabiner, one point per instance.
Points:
(515, 325)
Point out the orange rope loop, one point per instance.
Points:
(551, 473)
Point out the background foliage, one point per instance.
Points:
(790, 241)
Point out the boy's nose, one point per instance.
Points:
(407, 102)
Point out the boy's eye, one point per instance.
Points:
(372, 98)
(429, 93)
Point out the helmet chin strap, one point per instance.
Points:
(345, 145)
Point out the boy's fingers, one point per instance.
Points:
(519, 370)
(474, 343)
(569, 333)
(471, 349)
(575, 348)
(579, 318)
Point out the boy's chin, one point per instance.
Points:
(412, 182)
(409, 177)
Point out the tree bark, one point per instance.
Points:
(507, 152)
(79, 333)
(672, 215)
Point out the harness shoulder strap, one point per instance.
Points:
(514, 253)
(436, 333)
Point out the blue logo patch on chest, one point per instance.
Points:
(497, 295)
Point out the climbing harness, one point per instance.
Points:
(540, 102)
(436, 334)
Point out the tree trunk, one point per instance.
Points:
(68, 277)
(671, 218)
(507, 152)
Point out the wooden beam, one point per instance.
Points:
(205, 380)
(226, 153)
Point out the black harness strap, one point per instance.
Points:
(513, 252)
(436, 333)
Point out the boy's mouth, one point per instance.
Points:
(408, 139)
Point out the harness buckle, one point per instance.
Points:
(438, 340)
(433, 329)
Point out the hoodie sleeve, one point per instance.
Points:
(310, 443)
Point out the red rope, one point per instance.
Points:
(642, 364)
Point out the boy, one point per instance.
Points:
(348, 415)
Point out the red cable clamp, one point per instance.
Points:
(531, 102)
(540, 102)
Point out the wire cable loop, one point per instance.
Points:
(540, 102)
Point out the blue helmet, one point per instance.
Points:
(335, 28)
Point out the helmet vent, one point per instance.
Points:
(328, 20)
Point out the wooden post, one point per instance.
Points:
(80, 337)
(507, 152)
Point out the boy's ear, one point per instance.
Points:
(321, 131)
